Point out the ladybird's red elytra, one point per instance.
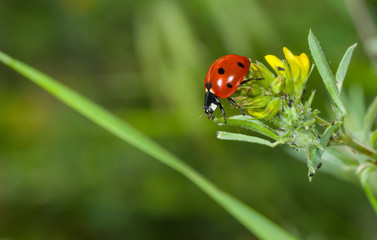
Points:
(226, 74)
(223, 78)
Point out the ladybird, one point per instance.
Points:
(223, 78)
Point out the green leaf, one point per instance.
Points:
(363, 177)
(343, 67)
(252, 220)
(308, 104)
(373, 139)
(244, 138)
(369, 118)
(313, 154)
(328, 132)
(372, 199)
(252, 124)
(345, 160)
(326, 73)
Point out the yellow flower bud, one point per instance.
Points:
(261, 72)
(249, 90)
(272, 108)
(254, 90)
(278, 84)
(258, 113)
(256, 102)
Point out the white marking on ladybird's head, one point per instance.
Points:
(213, 106)
(211, 90)
(206, 89)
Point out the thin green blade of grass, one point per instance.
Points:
(252, 220)
(325, 72)
(343, 67)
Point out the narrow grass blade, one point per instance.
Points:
(369, 118)
(343, 67)
(243, 138)
(252, 220)
(254, 125)
(326, 73)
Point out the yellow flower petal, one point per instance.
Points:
(305, 65)
(275, 63)
(294, 63)
(287, 53)
(294, 69)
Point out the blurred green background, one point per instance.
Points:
(62, 177)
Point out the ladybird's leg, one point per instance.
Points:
(249, 79)
(235, 104)
(222, 109)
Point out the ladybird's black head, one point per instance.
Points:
(210, 104)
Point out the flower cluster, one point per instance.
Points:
(294, 70)
(264, 96)
(279, 113)
(277, 98)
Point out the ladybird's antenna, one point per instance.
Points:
(249, 79)
(201, 115)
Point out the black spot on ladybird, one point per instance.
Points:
(221, 71)
(240, 64)
(229, 85)
(208, 85)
